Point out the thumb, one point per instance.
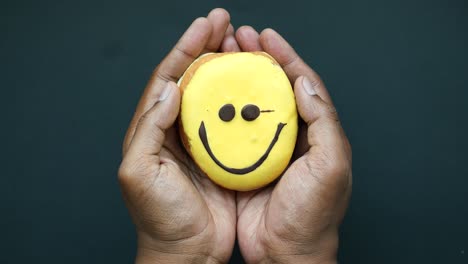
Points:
(327, 156)
(150, 131)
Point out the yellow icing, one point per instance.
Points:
(239, 79)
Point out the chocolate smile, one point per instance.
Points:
(204, 140)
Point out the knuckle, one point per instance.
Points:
(163, 75)
(146, 119)
(132, 172)
(124, 173)
(158, 134)
(291, 61)
(326, 112)
(331, 109)
(315, 81)
(185, 53)
(338, 169)
(337, 165)
(334, 167)
(331, 112)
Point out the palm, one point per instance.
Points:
(200, 197)
(265, 216)
(176, 202)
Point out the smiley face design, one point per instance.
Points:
(238, 118)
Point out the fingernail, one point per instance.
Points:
(308, 87)
(165, 93)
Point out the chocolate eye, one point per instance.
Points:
(250, 112)
(227, 112)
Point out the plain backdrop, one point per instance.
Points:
(72, 72)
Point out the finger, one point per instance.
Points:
(324, 134)
(229, 42)
(293, 65)
(219, 19)
(229, 31)
(248, 39)
(187, 49)
(149, 133)
(171, 68)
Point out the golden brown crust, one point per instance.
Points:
(183, 136)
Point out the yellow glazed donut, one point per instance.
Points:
(238, 118)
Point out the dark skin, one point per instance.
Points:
(183, 217)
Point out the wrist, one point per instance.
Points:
(150, 256)
(323, 251)
(299, 259)
(152, 251)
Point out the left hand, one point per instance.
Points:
(180, 215)
(297, 220)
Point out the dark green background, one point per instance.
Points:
(72, 72)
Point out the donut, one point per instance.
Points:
(238, 118)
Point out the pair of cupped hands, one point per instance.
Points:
(183, 217)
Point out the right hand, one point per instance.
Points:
(180, 215)
(296, 220)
